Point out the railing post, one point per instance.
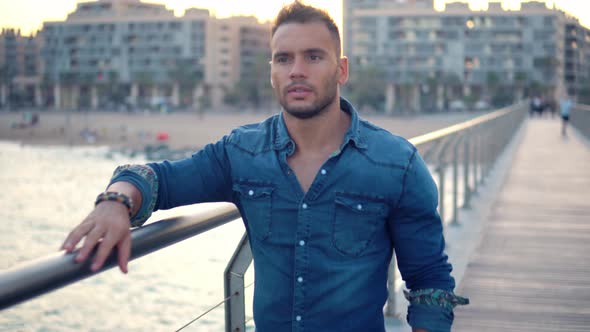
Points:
(455, 218)
(391, 277)
(493, 147)
(441, 189)
(482, 154)
(484, 150)
(235, 313)
(475, 157)
(466, 190)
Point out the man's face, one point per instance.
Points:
(305, 69)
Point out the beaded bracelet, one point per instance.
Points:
(115, 197)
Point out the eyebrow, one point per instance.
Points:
(307, 51)
(278, 54)
(315, 50)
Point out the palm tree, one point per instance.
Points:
(4, 83)
(254, 87)
(188, 74)
(520, 80)
(144, 79)
(450, 80)
(367, 87)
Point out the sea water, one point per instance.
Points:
(44, 193)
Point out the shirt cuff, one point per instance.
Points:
(145, 179)
(432, 309)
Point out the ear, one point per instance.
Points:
(343, 70)
(272, 83)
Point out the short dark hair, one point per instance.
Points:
(297, 12)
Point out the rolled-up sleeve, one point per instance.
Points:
(203, 177)
(419, 244)
(145, 180)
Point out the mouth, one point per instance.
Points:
(299, 91)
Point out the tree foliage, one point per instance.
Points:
(366, 87)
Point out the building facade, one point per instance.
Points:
(577, 60)
(19, 70)
(237, 46)
(434, 58)
(115, 53)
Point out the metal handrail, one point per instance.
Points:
(445, 132)
(580, 119)
(477, 158)
(31, 279)
(478, 154)
(38, 277)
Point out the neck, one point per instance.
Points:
(321, 133)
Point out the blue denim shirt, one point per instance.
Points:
(321, 257)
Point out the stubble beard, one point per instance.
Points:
(318, 107)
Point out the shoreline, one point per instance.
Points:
(178, 131)
(120, 130)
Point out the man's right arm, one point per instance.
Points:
(204, 177)
(108, 226)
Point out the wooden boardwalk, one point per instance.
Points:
(531, 271)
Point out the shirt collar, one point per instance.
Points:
(281, 136)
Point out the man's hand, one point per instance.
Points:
(108, 226)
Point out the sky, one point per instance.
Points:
(29, 15)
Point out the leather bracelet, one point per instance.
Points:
(115, 197)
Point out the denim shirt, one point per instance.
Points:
(320, 257)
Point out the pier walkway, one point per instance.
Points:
(531, 271)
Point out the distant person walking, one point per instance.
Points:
(536, 106)
(565, 106)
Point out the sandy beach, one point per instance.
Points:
(183, 130)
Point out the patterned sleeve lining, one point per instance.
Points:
(439, 297)
(148, 203)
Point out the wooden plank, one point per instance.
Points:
(531, 271)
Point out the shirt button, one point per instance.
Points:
(304, 206)
(359, 207)
(298, 318)
(302, 243)
(251, 192)
(323, 172)
(299, 279)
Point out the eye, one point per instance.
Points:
(314, 57)
(281, 59)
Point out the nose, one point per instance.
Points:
(298, 69)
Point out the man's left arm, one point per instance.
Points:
(417, 234)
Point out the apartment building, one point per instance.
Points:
(19, 70)
(431, 58)
(577, 60)
(109, 53)
(237, 46)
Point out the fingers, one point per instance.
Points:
(106, 227)
(104, 249)
(90, 242)
(124, 253)
(76, 235)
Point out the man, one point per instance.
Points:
(325, 198)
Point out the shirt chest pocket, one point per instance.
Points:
(357, 220)
(256, 203)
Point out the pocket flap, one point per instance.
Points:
(247, 190)
(361, 205)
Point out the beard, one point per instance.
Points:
(319, 106)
